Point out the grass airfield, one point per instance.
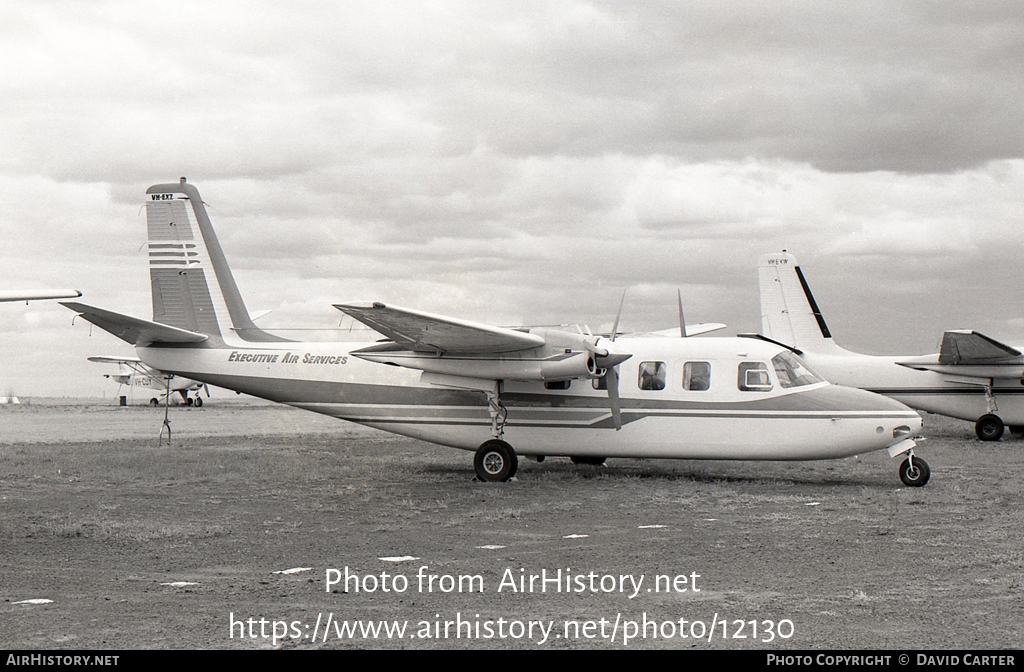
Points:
(112, 538)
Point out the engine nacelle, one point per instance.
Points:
(581, 365)
(558, 367)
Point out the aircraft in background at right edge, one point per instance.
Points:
(972, 377)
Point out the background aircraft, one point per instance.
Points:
(133, 373)
(27, 295)
(37, 294)
(972, 377)
(546, 391)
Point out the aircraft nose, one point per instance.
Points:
(896, 421)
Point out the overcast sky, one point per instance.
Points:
(517, 162)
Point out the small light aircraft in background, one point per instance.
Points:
(499, 392)
(37, 294)
(133, 373)
(972, 377)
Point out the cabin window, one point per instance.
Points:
(696, 376)
(557, 384)
(792, 372)
(753, 377)
(652, 376)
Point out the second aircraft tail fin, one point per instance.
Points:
(789, 313)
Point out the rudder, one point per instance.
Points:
(789, 313)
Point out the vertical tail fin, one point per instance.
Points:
(789, 313)
(192, 284)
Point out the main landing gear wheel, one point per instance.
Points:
(154, 402)
(592, 461)
(198, 402)
(914, 472)
(495, 461)
(989, 428)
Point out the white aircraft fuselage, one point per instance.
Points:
(817, 421)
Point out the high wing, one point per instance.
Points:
(691, 329)
(127, 363)
(132, 329)
(38, 294)
(469, 355)
(108, 359)
(448, 346)
(424, 332)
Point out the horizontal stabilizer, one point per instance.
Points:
(132, 329)
(424, 332)
(970, 358)
(970, 347)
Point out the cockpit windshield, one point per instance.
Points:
(792, 372)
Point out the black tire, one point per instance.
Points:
(198, 402)
(914, 476)
(592, 461)
(495, 461)
(989, 428)
(154, 402)
(1016, 430)
(189, 401)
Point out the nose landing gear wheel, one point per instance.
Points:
(914, 473)
(495, 461)
(989, 428)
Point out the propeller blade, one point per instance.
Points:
(615, 327)
(682, 320)
(612, 380)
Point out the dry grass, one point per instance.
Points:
(841, 548)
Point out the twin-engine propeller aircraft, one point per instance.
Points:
(972, 377)
(133, 373)
(500, 392)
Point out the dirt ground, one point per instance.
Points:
(228, 537)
